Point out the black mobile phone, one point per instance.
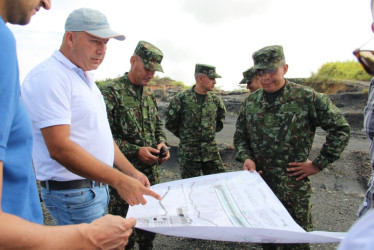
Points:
(162, 153)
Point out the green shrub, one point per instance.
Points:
(348, 70)
(166, 81)
(103, 82)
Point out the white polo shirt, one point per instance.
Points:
(56, 92)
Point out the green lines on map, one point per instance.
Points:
(229, 205)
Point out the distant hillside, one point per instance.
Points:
(331, 78)
(333, 86)
(166, 81)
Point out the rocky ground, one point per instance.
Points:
(337, 190)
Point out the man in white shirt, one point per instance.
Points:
(73, 146)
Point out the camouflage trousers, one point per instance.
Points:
(117, 206)
(295, 197)
(191, 169)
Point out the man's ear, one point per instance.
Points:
(132, 59)
(69, 38)
(200, 77)
(285, 69)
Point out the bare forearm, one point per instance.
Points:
(80, 162)
(108, 232)
(21, 234)
(17, 233)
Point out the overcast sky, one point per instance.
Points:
(223, 33)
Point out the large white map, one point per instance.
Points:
(234, 206)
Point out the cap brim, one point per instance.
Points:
(158, 67)
(154, 66)
(106, 34)
(262, 66)
(243, 81)
(216, 76)
(267, 66)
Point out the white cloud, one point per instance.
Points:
(223, 33)
(214, 12)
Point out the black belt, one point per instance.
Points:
(65, 185)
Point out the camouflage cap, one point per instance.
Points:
(268, 57)
(208, 70)
(150, 55)
(248, 76)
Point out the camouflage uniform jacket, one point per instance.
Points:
(133, 118)
(196, 124)
(273, 135)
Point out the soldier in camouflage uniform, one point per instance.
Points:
(136, 125)
(274, 135)
(194, 116)
(251, 79)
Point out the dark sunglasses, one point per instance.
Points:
(366, 59)
(262, 72)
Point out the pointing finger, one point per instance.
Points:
(153, 194)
